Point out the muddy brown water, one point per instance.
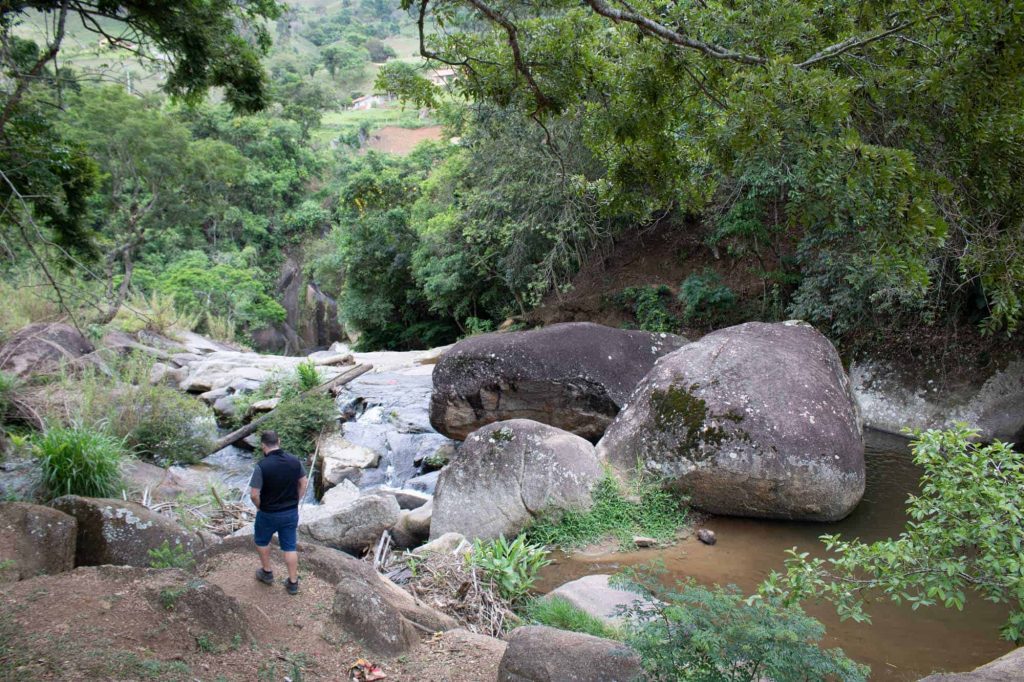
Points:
(900, 644)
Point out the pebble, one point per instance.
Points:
(707, 536)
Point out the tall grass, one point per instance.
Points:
(156, 313)
(644, 509)
(80, 460)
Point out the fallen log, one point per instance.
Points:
(336, 382)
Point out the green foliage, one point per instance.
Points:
(307, 376)
(692, 632)
(649, 305)
(171, 556)
(963, 535)
(704, 297)
(156, 313)
(513, 566)
(8, 386)
(562, 614)
(155, 422)
(298, 421)
(644, 509)
(80, 460)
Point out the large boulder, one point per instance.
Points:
(753, 420)
(35, 540)
(575, 376)
(510, 472)
(352, 527)
(537, 653)
(121, 533)
(43, 348)
(1008, 668)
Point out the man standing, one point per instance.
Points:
(277, 484)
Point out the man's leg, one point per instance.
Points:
(263, 531)
(264, 553)
(291, 560)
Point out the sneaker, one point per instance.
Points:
(265, 577)
(292, 587)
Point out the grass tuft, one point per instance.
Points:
(644, 509)
(80, 461)
(560, 613)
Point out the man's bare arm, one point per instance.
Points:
(303, 482)
(254, 495)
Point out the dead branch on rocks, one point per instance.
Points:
(214, 515)
(453, 585)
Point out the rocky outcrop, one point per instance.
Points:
(592, 594)
(43, 348)
(238, 371)
(1008, 668)
(891, 401)
(537, 653)
(35, 540)
(352, 527)
(753, 420)
(341, 460)
(574, 376)
(121, 533)
(508, 473)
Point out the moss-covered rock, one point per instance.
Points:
(752, 420)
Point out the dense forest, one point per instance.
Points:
(856, 166)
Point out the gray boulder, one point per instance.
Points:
(1008, 668)
(753, 420)
(592, 594)
(35, 540)
(43, 348)
(352, 527)
(575, 376)
(508, 473)
(537, 653)
(121, 533)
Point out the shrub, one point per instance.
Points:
(171, 556)
(649, 305)
(646, 509)
(964, 535)
(220, 328)
(80, 461)
(704, 297)
(307, 376)
(157, 313)
(715, 634)
(562, 614)
(299, 421)
(512, 565)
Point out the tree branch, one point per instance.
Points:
(26, 78)
(854, 42)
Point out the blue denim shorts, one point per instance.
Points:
(284, 523)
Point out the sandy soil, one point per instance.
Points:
(395, 140)
(109, 624)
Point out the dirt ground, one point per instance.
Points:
(395, 140)
(118, 623)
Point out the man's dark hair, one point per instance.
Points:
(270, 439)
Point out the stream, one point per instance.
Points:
(899, 644)
(386, 410)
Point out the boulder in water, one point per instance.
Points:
(752, 420)
(575, 376)
(510, 472)
(592, 594)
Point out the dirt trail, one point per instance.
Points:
(109, 623)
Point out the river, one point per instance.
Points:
(899, 644)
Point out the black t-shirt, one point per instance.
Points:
(277, 476)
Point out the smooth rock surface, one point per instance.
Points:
(753, 420)
(510, 472)
(35, 540)
(595, 596)
(43, 348)
(352, 527)
(537, 653)
(575, 376)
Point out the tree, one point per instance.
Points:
(858, 150)
(964, 535)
